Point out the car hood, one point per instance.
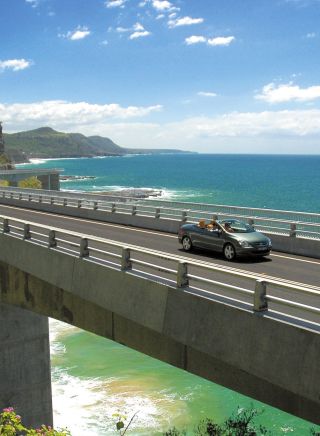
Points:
(251, 237)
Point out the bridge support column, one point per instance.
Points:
(25, 377)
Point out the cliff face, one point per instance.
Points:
(1, 140)
(48, 143)
(5, 161)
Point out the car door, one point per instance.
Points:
(213, 239)
(199, 237)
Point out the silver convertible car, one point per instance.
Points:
(230, 237)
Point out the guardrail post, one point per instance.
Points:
(113, 207)
(260, 292)
(52, 200)
(52, 239)
(30, 197)
(40, 198)
(95, 205)
(11, 195)
(20, 195)
(134, 210)
(64, 202)
(126, 263)
(157, 214)
(26, 231)
(182, 275)
(79, 203)
(6, 227)
(184, 216)
(84, 248)
(293, 230)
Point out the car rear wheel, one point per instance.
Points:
(229, 252)
(186, 243)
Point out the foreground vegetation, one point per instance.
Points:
(11, 425)
(241, 423)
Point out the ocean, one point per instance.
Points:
(94, 378)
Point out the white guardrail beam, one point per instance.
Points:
(132, 259)
(292, 224)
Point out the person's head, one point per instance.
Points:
(227, 226)
(202, 224)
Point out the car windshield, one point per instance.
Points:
(236, 226)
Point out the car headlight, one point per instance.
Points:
(244, 244)
(269, 241)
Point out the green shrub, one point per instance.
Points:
(31, 182)
(11, 425)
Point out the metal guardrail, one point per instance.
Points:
(302, 228)
(256, 293)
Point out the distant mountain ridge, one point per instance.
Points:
(45, 143)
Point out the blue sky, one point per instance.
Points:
(231, 76)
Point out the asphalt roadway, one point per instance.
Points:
(298, 269)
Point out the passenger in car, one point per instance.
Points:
(228, 228)
(213, 226)
(202, 224)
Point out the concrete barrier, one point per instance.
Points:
(270, 360)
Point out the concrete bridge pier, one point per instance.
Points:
(25, 376)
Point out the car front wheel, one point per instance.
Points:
(229, 252)
(186, 243)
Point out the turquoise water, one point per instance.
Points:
(277, 182)
(94, 378)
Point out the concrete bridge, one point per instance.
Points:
(257, 335)
(49, 177)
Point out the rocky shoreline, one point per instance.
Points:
(126, 192)
(132, 192)
(68, 178)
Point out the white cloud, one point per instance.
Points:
(288, 92)
(60, 113)
(257, 132)
(161, 5)
(115, 3)
(122, 29)
(14, 64)
(164, 6)
(194, 39)
(311, 35)
(184, 21)
(33, 3)
(80, 32)
(138, 27)
(140, 34)
(221, 40)
(207, 94)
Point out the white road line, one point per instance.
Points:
(298, 260)
(100, 223)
